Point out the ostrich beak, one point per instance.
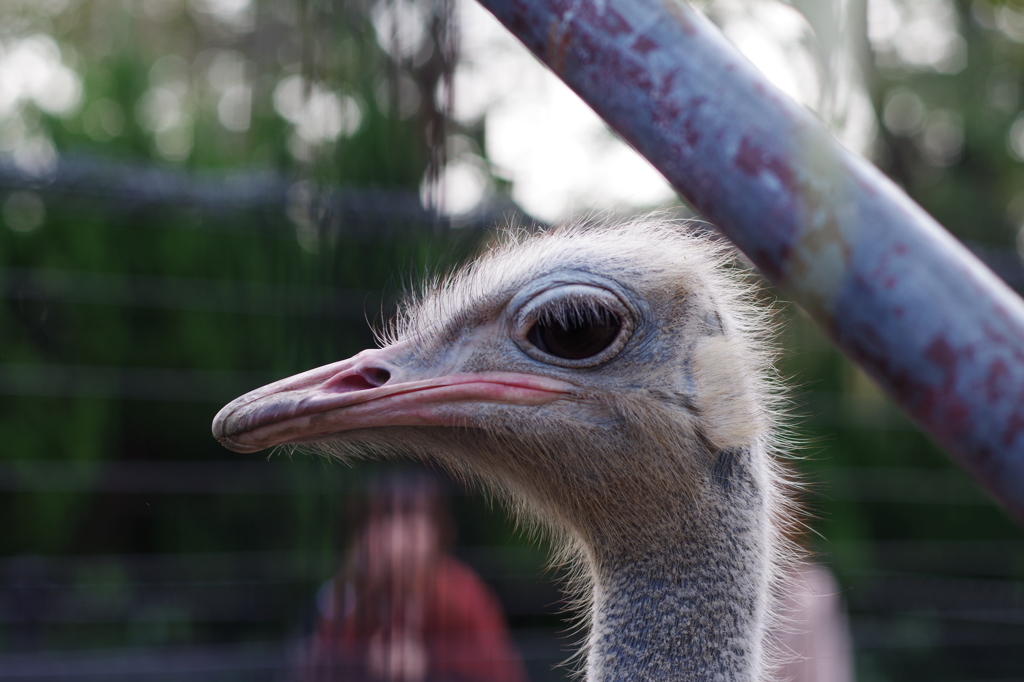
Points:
(369, 390)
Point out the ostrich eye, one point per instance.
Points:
(575, 333)
(575, 325)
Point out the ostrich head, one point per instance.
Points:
(614, 383)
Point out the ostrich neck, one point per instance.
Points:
(688, 598)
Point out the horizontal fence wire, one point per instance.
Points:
(370, 212)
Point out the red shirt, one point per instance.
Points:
(463, 634)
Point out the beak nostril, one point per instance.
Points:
(377, 376)
(360, 379)
(352, 382)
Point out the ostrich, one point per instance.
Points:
(614, 383)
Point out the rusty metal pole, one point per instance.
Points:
(906, 301)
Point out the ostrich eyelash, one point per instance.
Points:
(576, 312)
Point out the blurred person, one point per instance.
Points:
(813, 638)
(403, 609)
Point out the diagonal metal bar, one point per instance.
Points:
(899, 295)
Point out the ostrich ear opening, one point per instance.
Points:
(725, 390)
